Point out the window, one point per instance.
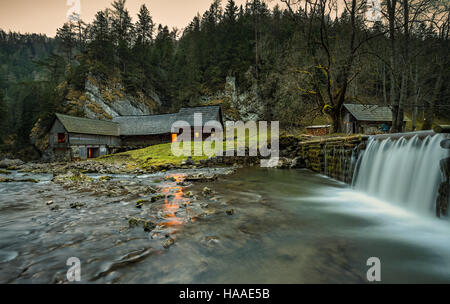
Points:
(174, 138)
(61, 138)
(197, 135)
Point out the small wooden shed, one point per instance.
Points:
(318, 130)
(367, 119)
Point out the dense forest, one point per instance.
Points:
(303, 59)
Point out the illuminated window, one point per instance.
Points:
(197, 135)
(174, 137)
(61, 138)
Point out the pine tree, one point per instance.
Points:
(3, 114)
(144, 26)
(67, 36)
(231, 11)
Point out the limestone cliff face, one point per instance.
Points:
(96, 101)
(109, 102)
(237, 105)
(100, 101)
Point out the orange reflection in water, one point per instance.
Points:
(173, 205)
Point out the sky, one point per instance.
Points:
(45, 16)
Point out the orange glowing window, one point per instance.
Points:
(197, 135)
(174, 138)
(61, 138)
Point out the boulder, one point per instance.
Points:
(167, 243)
(206, 191)
(7, 163)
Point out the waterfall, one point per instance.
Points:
(402, 171)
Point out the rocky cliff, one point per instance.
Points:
(238, 104)
(99, 100)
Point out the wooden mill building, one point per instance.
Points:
(80, 138)
(367, 119)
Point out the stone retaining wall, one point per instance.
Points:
(335, 157)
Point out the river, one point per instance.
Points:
(288, 226)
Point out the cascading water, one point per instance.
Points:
(402, 171)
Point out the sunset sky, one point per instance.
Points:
(45, 16)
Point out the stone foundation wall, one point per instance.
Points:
(334, 157)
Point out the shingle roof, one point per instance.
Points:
(208, 113)
(146, 125)
(88, 126)
(370, 112)
(162, 124)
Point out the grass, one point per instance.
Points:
(145, 158)
(159, 155)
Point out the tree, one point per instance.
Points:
(67, 37)
(144, 26)
(231, 12)
(3, 114)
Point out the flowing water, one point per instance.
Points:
(404, 171)
(288, 226)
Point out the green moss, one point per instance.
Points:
(157, 198)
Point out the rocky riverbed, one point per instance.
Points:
(117, 219)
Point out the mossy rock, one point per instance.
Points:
(140, 203)
(157, 198)
(137, 222)
(105, 178)
(2, 171)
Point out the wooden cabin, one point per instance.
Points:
(367, 119)
(143, 131)
(81, 138)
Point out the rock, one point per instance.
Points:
(105, 178)
(201, 177)
(167, 243)
(140, 203)
(188, 194)
(6, 172)
(149, 226)
(230, 211)
(156, 198)
(49, 203)
(206, 191)
(137, 222)
(6, 163)
(54, 208)
(210, 240)
(134, 222)
(10, 180)
(445, 144)
(298, 163)
(72, 176)
(171, 179)
(188, 162)
(28, 180)
(77, 205)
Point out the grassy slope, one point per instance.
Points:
(162, 154)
